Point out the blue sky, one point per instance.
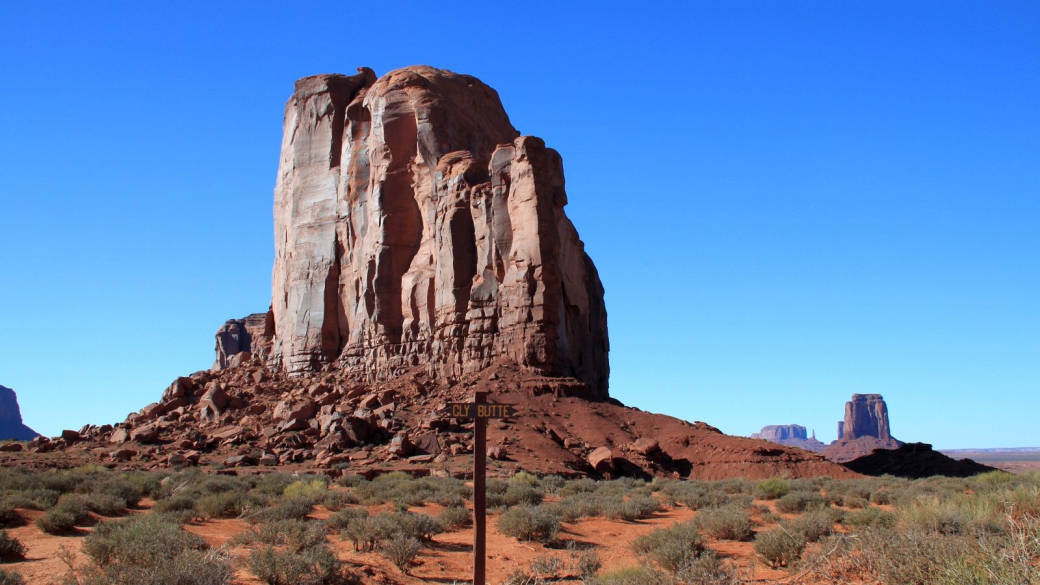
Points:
(788, 202)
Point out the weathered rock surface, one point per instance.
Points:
(790, 435)
(864, 430)
(11, 426)
(866, 415)
(415, 226)
(250, 335)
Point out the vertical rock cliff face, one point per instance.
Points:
(414, 226)
(864, 429)
(866, 415)
(11, 426)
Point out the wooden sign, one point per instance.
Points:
(478, 410)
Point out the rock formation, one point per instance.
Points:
(914, 461)
(790, 435)
(866, 415)
(864, 429)
(415, 226)
(250, 335)
(11, 426)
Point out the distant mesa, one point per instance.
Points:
(11, 426)
(864, 429)
(790, 435)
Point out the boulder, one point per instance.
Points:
(602, 460)
(298, 409)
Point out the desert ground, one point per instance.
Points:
(95, 525)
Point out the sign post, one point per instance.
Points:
(479, 410)
(479, 491)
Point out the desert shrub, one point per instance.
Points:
(120, 488)
(503, 494)
(871, 516)
(992, 479)
(586, 564)
(70, 511)
(616, 507)
(175, 504)
(641, 575)
(538, 523)
(812, 525)
(795, 502)
(219, 505)
(579, 505)
(420, 526)
(552, 484)
(295, 535)
(11, 549)
(8, 515)
(725, 523)
(453, 518)
(339, 499)
(672, 547)
(313, 490)
(309, 567)
(708, 569)
(10, 578)
(780, 547)
(773, 488)
(290, 508)
(105, 504)
(342, 518)
(148, 483)
(35, 499)
(145, 540)
(401, 550)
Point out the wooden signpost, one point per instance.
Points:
(479, 410)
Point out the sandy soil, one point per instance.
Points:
(447, 560)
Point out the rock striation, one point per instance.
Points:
(866, 415)
(11, 426)
(249, 335)
(790, 435)
(414, 226)
(864, 429)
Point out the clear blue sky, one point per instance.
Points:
(788, 202)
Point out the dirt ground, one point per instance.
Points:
(447, 560)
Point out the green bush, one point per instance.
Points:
(634, 508)
(641, 575)
(295, 535)
(401, 550)
(10, 578)
(144, 540)
(70, 511)
(342, 518)
(771, 489)
(812, 525)
(796, 502)
(537, 523)
(313, 490)
(725, 523)
(672, 548)
(313, 566)
(781, 548)
(453, 518)
(11, 549)
(8, 515)
(708, 569)
(219, 505)
(105, 504)
(871, 516)
(290, 508)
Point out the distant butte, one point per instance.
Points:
(11, 426)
